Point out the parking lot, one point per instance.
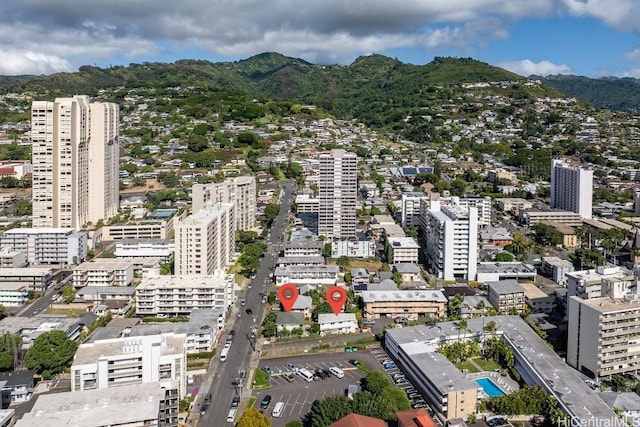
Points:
(298, 395)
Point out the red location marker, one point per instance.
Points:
(336, 297)
(288, 294)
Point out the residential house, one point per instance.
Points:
(341, 323)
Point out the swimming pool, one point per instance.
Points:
(489, 387)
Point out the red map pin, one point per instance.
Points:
(336, 297)
(288, 294)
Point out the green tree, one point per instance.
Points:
(326, 250)
(22, 207)
(371, 405)
(343, 262)
(321, 308)
(50, 353)
(375, 382)
(8, 345)
(294, 423)
(253, 418)
(396, 397)
(504, 257)
(197, 143)
(68, 294)
(271, 211)
(330, 410)
(170, 180)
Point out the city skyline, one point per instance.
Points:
(584, 37)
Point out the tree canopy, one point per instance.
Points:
(253, 418)
(50, 353)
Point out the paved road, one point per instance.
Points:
(222, 383)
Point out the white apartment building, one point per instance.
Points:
(180, 295)
(96, 273)
(341, 323)
(299, 248)
(147, 229)
(402, 250)
(75, 162)
(12, 259)
(106, 363)
(314, 275)
(205, 240)
(145, 248)
(592, 283)
(241, 191)
(13, 295)
(451, 241)
(337, 191)
(483, 204)
(506, 296)
(603, 335)
(571, 188)
(362, 247)
(47, 245)
(34, 279)
(410, 208)
(307, 204)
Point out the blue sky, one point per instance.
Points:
(586, 37)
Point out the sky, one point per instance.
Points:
(593, 38)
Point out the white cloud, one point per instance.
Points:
(20, 62)
(526, 67)
(632, 54)
(635, 73)
(85, 31)
(619, 14)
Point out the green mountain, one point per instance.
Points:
(379, 90)
(606, 92)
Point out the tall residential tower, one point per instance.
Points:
(75, 162)
(571, 188)
(338, 189)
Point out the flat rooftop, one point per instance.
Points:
(607, 305)
(567, 384)
(505, 267)
(505, 287)
(90, 353)
(596, 275)
(99, 265)
(400, 295)
(121, 405)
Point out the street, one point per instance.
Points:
(226, 384)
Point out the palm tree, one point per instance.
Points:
(462, 326)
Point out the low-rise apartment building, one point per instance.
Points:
(341, 323)
(61, 246)
(132, 248)
(314, 275)
(12, 259)
(145, 359)
(96, 273)
(180, 295)
(303, 248)
(537, 300)
(361, 247)
(402, 250)
(408, 304)
(506, 296)
(33, 279)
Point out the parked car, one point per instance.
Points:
(398, 376)
(354, 362)
(291, 367)
(265, 402)
(207, 399)
(399, 381)
(268, 370)
(235, 402)
(190, 379)
(418, 405)
(411, 390)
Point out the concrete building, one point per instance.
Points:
(12, 259)
(300, 260)
(180, 295)
(75, 162)
(241, 191)
(33, 279)
(603, 336)
(60, 246)
(307, 204)
(303, 248)
(98, 273)
(142, 230)
(13, 295)
(496, 271)
(556, 268)
(588, 284)
(205, 240)
(408, 304)
(531, 217)
(341, 323)
(451, 241)
(410, 208)
(19, 385)
(401, 250)
(314, 275)
(442, 384)
(134, 405)
(145, 359)
(571, 188)
(537, 300)
(338, 188)
(362, 247)
(513, 204)
(483, 204)
(506, 296)
(145, 248)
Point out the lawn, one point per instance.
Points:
(252, 400)
(467, 366)
(261, 379)
(487, 365)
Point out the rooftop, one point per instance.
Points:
(503, 287)
(401, 295)
(109, 265)
(505, 267)
(324, 318)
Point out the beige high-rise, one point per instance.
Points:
(75, 162)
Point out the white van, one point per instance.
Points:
(305, 374)
(337, 372)
(224, 354)
(231, 416)
(277, 410)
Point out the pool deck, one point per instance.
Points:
(506, 384)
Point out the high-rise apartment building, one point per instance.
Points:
(451, 240)
(241, 191)
(571, 188)
(337, 191)
(75, 162)
(205, 240)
